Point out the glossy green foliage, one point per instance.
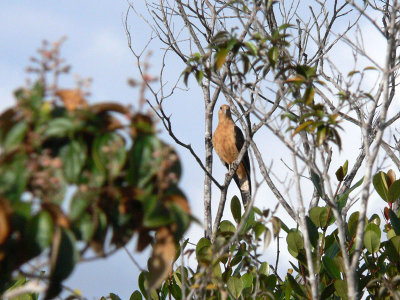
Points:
(121, 178)
(223, 268)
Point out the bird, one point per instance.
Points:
(228, 140)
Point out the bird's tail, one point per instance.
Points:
(244, 186)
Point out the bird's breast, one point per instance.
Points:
(225, 144)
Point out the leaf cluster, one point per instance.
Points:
(75, 177)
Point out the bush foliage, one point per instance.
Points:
(75, 177)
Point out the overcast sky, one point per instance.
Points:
(96, 47)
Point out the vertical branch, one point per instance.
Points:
(372, 155)
(209, 108)
(304, 229)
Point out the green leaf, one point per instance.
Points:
(202, 246)
(143, 163)
(372, 237)
(264, 268)
(14, 178)
(186, 74)
(73, 156)
(235, 286)
(199, 76)
(216, 271)
(15, 136)
(60, 127)
(258, 229)
(316, 180)
(79, 203)
(312, 232)
(283, 225)
(309, 95)
(353, 222)
(251, 47)
(85, 227)
(269, 281)
(394, 191)
(375, 219)
(155, 215)
(341, 199)
(114, 297)
(380, 183)
(67, 256)
(393, 248)
(351, 73)
(109, 153)
(319, 216)
(345, 167)
(20, 282)
(394, 221)
(143, 282)
(40, 232)
(295, 286)
(331, 267)
(370, 68)
(249, 223)
(284, 27)
(295, 243)
(341, 288)
(247, 280)
(321, 135)
(273, 55)
(246, 63)
(236, 209)
(302, 126)
(328, 291)
(180, 218)
(391, 233)
(227, 227)
(340, 174)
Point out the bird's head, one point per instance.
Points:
(224, 112)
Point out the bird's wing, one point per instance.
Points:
(239, 139)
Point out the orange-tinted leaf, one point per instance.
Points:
(309, 96)
(160, 262)
(72, 99)
(321, 135)
(220, 58)
(391, 177)
(302, 127)
(180, 200)
(57, 214)
(296, 79)
(5, 211)
(386, 213)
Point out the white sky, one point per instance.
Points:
(96, 47)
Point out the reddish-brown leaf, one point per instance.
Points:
(160, 263)
(5, 211)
